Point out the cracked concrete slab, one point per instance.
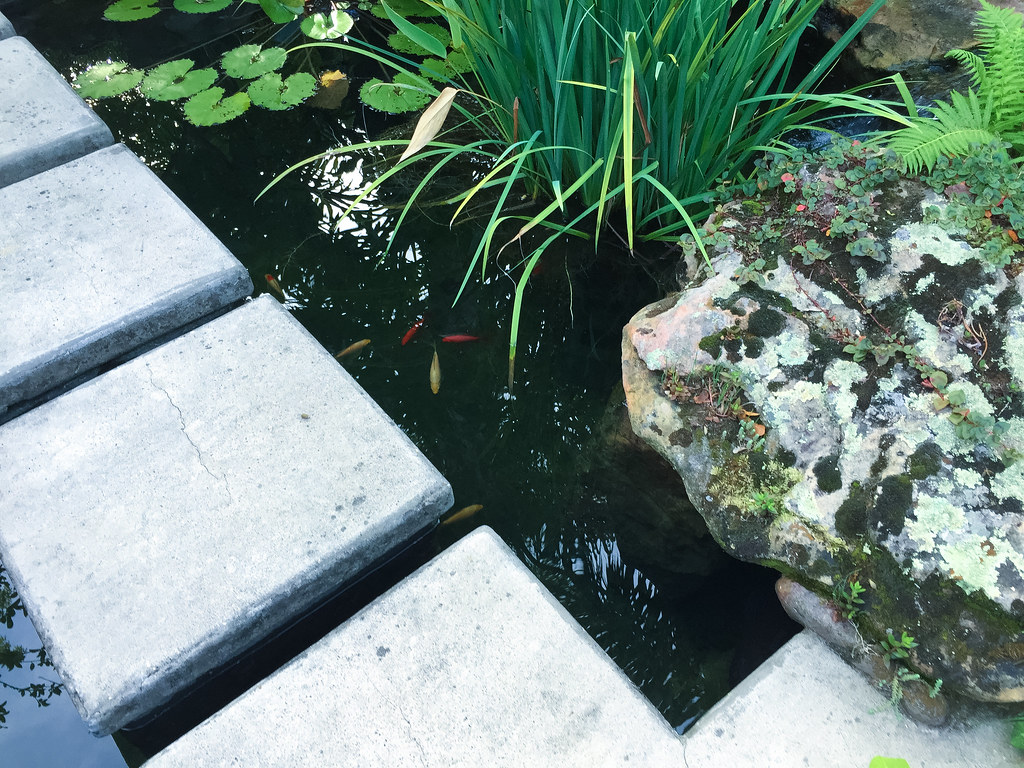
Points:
(43, 122)
(468, 662)
(167, 515)
(98, 257)
(806, 706)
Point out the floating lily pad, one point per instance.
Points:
(211, 108)
(131, 10)
(271, 92)
(281, 12)
(201, 6)
(456, 63)
(250, 61)
(405, 8)
(401, 42)
(111, 78)
(327, 26)
(405, 94)
(177, 80)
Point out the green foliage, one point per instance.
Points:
(764, 502)
(847, 595)
(201, 6)
(252, 61)
(1017, 731)
(131, 10)
(993, 108)
(888, 762)
(271, 92)
(210, 107)
(327, 26)
(894, 648)
(176, 80)
(111, 78)
(405, 93)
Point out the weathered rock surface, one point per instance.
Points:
(906, 32)
(855, 418)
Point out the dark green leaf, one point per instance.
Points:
(131, 10)
(177, 80)
(251, 61)
(321, 26)
(108, 79)
(201, 6)
(405, 94)
(211, 108)
(271, 92)
(280, 13)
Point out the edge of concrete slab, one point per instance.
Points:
(469, 661)
(89, 134)
(6, 28)
(806, 706)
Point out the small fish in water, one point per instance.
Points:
(412, 331)
(351, 349)
(275, 287)
(463, 514)
(459, 338)
(435, 374)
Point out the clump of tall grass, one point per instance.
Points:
(628, 107)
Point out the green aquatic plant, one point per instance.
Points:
(847, 595)
(991, 110)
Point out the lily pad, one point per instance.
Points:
(405, 94)
(111, 78)
(456, 63)
(211, 108)
(131, 10)
(327, 26)
(403, 44)
(251, 61)
(405, 8)
(177, 80)
(201, 6)
(271, 92)
(281, 12)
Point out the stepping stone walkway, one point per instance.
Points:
(169, 514)
(468, 662)
(43, 122)
(98, 257)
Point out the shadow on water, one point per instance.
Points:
(606, 529)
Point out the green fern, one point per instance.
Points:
(992, 110)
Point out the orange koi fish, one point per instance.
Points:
(412, 331)
(463, 514)
(351, 349)
(275, 287)
(435, 374)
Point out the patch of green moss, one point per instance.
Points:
(827, 472)
(766, 323)
(889, 512)
(755, 347)
(925, 461)
(885, 442)
(713, 344)
(852, 515)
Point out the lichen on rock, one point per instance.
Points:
(850, 405)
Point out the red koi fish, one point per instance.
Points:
(412, 331)
(275, 287)
(459, 338)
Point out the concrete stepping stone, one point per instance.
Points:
(468, 662)
(43, 122)
(806, 706)
(169, 514)
(98, 257)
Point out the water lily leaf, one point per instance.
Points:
(177, 80)
(211, 108)
(327, 26)
(271, 92)
(131, 10)
(201, 6)
(281, 12)
(428, 39)
(250, 61)
(405, 94)
(111, 78)
(405, 8)
(455, 64)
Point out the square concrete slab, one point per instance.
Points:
(468, 662)
(169, 514)
(806, 707)
(43, 122)
(6, 28)
(98, 257)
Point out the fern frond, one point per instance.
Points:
(1001, 34)
(973, 63)
(953, 129)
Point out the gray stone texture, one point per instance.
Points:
(805, 706)
(165, 516)
(97, 258)
(468, 662)
(6, 28)
(43, 122)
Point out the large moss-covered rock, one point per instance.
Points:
(841, 393)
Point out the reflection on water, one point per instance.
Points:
(634, 567)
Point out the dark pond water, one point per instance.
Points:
(603, 530)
